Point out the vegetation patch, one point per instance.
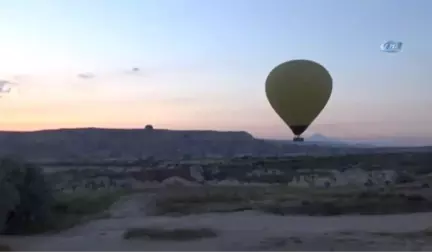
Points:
(427, 233)
(197, 200)
(289, 201)
(30, 206)
(70, 210)
(177, 234)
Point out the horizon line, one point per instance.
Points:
(308, 134)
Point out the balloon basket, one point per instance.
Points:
(298, 139)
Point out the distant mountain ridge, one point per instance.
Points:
(381, 142)
(321, 139)
(396, 142)
(82, 144)
(127, 144)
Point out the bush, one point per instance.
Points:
(26, 196)
(404, 177)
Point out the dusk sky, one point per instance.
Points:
(203, 64)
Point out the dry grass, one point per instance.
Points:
(197, 200)
(284, 200)
(72, 209)
(177, 234)
(278, 242)
(427, 233)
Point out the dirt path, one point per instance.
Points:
(238, 231)
(134, 205)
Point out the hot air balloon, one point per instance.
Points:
(298, 91)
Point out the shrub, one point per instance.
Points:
(404, 177)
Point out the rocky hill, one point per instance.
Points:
(130, 144)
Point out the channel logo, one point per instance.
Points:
(391, 46)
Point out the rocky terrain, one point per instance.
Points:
(284, 200)
(304, 171)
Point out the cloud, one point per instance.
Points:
(86, 76)
(21, 77)
(91, 75)
(5, 86)
(134, 70)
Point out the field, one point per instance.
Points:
(362, 206)
(284, 200)
(374, 183)
(241, 218)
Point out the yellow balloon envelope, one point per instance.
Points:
(298, 91)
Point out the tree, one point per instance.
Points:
(9, 197)
(101, 184)
(26, 196)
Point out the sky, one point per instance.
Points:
(203, 64)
